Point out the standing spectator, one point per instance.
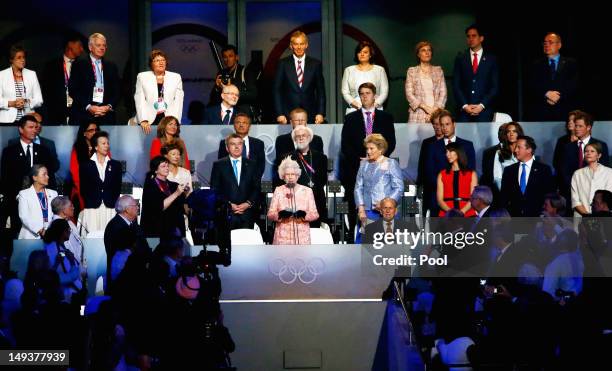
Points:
(364, 71)
(525, 183)
(162, 202)
(569, 137)
(225, 112)
(553, 83)
(299, 82)
(55, 78)
(159, 93)
(177, 174)
(378, 177)
(284, 143)
(62, 259)
(17, 161)
(435, 160)
(81, 152)
(244, 78)
(292, 207)
(427, 142)
(494, 163)
(358, 126)
(64, 209)
(573, 154)
(253, 148)
(100, 185)
(94, 85)
(586, 180)
(19, 89)
(236, 181)
(425, 85)
(39, 139)
(456, 182)
(475, 80)
(34, 204)
(168, 131)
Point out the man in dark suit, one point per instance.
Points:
(553, 83)
(313, 165)
(235, 180)
(299, 82)
(225, 112)
(45, 142)
(284, 143)
(387, 224)
(94, 85)
(357, 125)
(475, 80)
(435, 122)
(253, 148)
(435, 161)
(54, 82)
(124, 222)
(17, 160)
(525, 183)
(572, 154)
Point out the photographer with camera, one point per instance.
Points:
(233, 73)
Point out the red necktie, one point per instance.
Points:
(580, 155)
(475, 63)
(300, 74)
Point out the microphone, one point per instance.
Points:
(290, 186)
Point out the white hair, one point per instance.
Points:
(123, 203)
(294, 132)
(94, 36)
(286, 164)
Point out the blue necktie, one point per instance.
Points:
(523, 182)
(226, 119)
(235, 165)
(99, 76)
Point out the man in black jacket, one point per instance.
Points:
(253, 148)
(284, 143)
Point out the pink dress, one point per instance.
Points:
(290, 231)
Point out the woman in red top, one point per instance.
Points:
(81, 152)
(456, 183)
(168, 132)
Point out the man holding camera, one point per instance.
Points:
(243, 77)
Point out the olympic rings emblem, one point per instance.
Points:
(291, 271)
(269, 146)
(189, 49)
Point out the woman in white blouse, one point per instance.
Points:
(589, 179)
(364, 71)
(34, 204)
(174, 152)
(159, 93)
(425, 85)
(504, 156)
(19, 88)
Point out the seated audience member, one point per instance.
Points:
(299, 82)
(177, 174)
(253, 148)
(284, 144)
(100, 186)
(481, 200)
(167, 258)
(451, 348)
(426, 143)
(364, 71)
(126, 219)
(602, 203)
(425, 86)
(34, 204)
(573, 154)
(168, 131)
(292, 207)
(552, 224)
(565, 271)
(357, 126)
(313, 166)
(159, 93)
(225, 112)
(236, 181)
(62, 260)
(569, 137)
(81, 152)
(525, 183)
(436, 161)
(17, 161)
(64, 209)
(456, 183)
(19, 89)
(500, 156)
(162, 202)
(378, 177)
(388, 223)
(586, 180)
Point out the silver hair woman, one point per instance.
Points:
(63, 208)
(292, 207)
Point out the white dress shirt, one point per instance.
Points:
(224, 109)
(452, 139)
(303, 60)
(24, 146)
(238, 165)
(101, 167)
(478, 56)
(527, 169)
(482, 212)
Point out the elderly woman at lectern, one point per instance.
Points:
(292, 208)
(378, 177)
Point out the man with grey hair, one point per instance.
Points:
(94, 85)
(123, 223)
(313, 166)
(63, 208)
(481, 200)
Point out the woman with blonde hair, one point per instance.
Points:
(425, 85)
